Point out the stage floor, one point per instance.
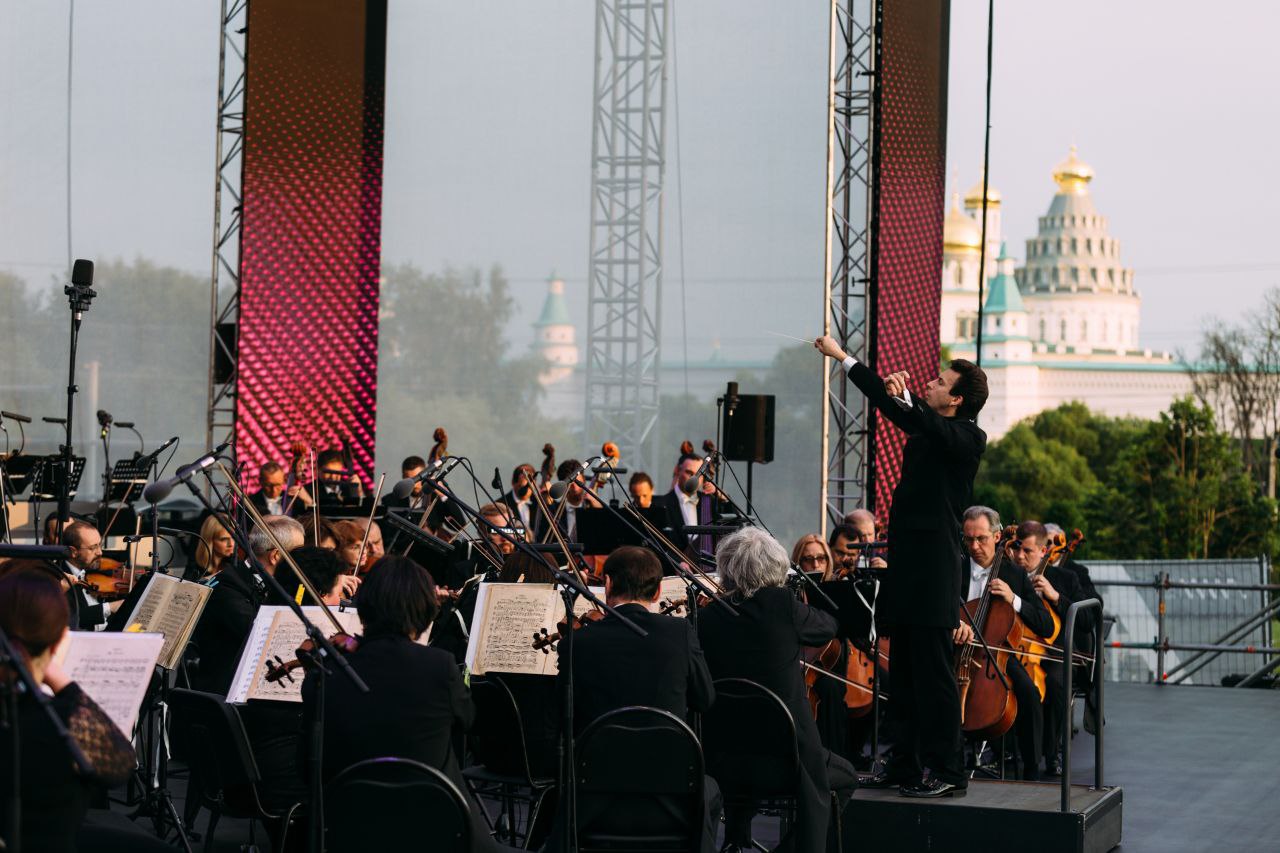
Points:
(1200, 766)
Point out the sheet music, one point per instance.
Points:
(673, 589)
(277, 631)
(114, 670)
(169, 606)
(507, 615)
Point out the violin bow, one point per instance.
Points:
(368, 527)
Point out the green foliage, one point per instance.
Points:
(1170, 488)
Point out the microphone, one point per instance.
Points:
(690, 486)
(125, 424)
(403, 488)
(162, 448)
(497, 478)
(104, 418)
(82, 272)
(160, 489)
(731, 398)
(17, 417)
(558, 489)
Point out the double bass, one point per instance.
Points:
(987, 704)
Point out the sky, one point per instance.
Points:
(488, 146)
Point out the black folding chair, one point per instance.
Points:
(395, 804)
(749, 741)
(224, 775)
(639, 780)
(499, 742)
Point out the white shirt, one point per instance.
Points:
(524, 509)
(689, 508)
(978, 577)
(904, 400)
(275, 506)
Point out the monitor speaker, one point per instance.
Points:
(748, 428)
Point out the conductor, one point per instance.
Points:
(920, 598)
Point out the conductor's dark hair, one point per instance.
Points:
(634, 573)
(972, 386)
(411, 463)
(397, 598)
(328, 457)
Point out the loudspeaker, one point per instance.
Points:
(222, 362)
(748, 428)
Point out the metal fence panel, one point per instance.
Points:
(1191, 615)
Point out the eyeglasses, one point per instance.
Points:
(814, 558)
(970, 540)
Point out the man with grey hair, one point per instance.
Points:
(763, 643)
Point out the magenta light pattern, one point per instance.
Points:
(310, 239)
(913, 140)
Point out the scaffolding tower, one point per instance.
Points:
(224, 299)
(847, 447)
(628, 160)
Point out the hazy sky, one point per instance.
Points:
(488, 143)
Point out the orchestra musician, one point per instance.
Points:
(84, 546)
(339, 487)
(349, 535)
(686, 504)
(412, 466)
(326, 539)
(565, 510)
(613, 667)
(640, 488)
(863, 522)
(273, 498)
(373, 546)
(1060, 588)
(520, 498)
(762, 643)
(919, 600)
(416, 695)
(215, 549)
(811, 554)
(979, 534)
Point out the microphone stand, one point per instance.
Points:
(325, 650)
(79, 297)
(570, 589)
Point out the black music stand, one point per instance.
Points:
(602, 531)
(127, 477)
(48, 483)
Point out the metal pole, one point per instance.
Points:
(1263, 617)
(1068, 644)
(1161, 639)
(1258, 673)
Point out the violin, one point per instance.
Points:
(108, 580)
(307, 658)
(545, 641)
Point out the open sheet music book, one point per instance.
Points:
(171, 607)
(274, 638)
(507, 616)
(114, 670)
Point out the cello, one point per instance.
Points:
(987, 704)
(1037, 649)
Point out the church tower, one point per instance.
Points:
(554, 336)
(1080, 297)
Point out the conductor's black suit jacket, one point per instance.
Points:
(939, 462)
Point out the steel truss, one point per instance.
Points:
(628, 161)
(848, 269)
(224, 299)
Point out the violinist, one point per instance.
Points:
(640, 487)
(215, 549)
(84, 545)
(763, 643)
(979, 535)
(1059, 587)
(237, 593)
(918, 602)
(373, 546)
(416, 696)
(863, 522)
(273, 498)
(349, 535)
(520, 498)
(613, 667)
(326, 538)
(339, 486)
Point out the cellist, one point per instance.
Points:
(980, 531)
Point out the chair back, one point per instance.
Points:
(639, 777)
(749, 741)
(395, 804)
(497, 736)
(215, 742)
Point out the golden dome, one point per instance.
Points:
(1073, 175)
(959, 232)
(973, 198)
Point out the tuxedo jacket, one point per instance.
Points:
(1034, 613)
(1070, 590)
(613, 667)
(939, 462)
(224, 626)
(295, 506)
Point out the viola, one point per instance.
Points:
(545, 641)
(306, 655)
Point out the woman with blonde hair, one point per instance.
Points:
(216, 548)
(812, 554)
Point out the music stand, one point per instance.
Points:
(47, 484)
(602, 531)
(127, 477)
(853, 615)
(18, 471)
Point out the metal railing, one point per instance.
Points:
(1248, 632)
(1068, 646)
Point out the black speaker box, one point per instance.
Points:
(748, 428)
